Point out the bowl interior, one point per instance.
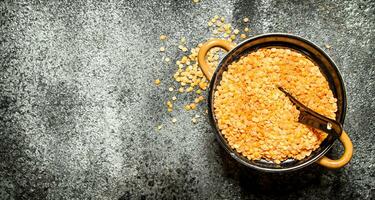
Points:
(328, 69)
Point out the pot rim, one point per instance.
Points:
(234, 154)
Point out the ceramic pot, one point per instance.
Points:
(296, 43)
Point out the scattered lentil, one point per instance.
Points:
(194, 120)
(193, 106)
(189, 89)
(169, 104)
(187, 107)
(188, 72)
(163, 37)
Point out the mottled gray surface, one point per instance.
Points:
(78, 107)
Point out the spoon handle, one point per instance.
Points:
(320, 122)
(314, 119)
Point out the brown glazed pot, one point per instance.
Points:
(328, 69)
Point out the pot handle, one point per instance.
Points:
(345, 158)
(207, 70)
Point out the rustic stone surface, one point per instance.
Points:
(78, 107)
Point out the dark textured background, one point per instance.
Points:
(78, 107)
